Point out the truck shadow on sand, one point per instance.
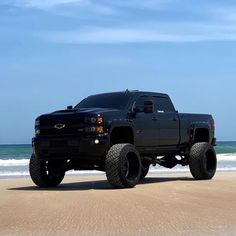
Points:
(99, 184)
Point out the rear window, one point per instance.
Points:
(163, 104)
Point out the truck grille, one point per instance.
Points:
(62, 127)
(65, 131)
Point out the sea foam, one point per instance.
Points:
(24, 162)
(14, 162)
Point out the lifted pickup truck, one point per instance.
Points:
(121, 133)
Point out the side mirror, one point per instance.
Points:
(148, 107)
(69, 107)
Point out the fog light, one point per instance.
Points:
(96, 141)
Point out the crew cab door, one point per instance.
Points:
(168, 121)
(144, 125)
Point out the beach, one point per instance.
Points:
(162, 204)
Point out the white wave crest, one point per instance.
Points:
(24, 162)
(96, 173)
(16, 173)
(72, 172)
(226, 157)
(14, 162)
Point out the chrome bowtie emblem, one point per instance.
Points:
(59, 126)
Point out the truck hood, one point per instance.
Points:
(76, 113)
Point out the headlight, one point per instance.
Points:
(100, 129)
(94, 129)
(99, 120)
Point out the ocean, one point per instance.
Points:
(14, 161)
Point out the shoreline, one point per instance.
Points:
(162, 204)
(19, 168)
(101, 173)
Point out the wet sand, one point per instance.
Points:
(162, 204)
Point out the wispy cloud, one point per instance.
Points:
(165, 32)
(47, 4)
(65, 7)
(122, 24)
(149, 4)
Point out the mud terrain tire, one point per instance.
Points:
(202, 161)
(44, 174)
(123, 166)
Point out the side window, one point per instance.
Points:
(163, 104)
(139, 104)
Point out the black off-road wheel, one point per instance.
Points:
(46, 173)
(202, 161)
(123, 166)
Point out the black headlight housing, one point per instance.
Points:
(96, 124)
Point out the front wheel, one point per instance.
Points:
(123, 166)
(202, 161)
(46, 173)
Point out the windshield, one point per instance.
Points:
(109, 100)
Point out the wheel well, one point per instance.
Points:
(201, 135)
(122, 135)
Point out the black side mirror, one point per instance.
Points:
(148, 107)
(69, 107)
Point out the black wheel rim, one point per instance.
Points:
(131, 166)
(49, 172)
(126, 167)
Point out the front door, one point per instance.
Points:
(145, 125)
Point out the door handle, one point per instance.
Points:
(154, 118)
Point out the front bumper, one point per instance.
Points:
(70, 147)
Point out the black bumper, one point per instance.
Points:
(70, 147)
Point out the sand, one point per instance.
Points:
(163, 204)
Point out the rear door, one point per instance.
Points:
(168, 121)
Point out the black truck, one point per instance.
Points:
(121, 133)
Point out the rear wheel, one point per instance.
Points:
(46, 173)
(202, 161)
(123, 166)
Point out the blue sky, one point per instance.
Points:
(54, 53)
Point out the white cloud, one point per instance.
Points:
(67, 7)
(47, 3)
(165, 32)
(215, 24)
(151, 4)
